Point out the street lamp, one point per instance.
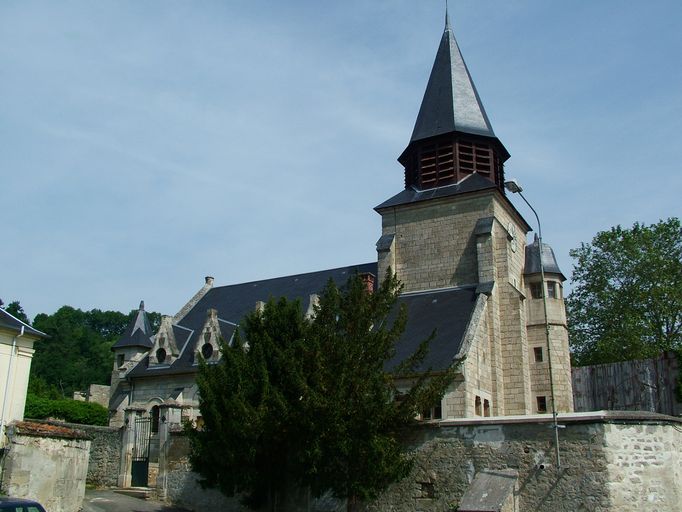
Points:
(513, 187)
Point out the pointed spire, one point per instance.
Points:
(451, 102)
(447, 17)
(141, 305)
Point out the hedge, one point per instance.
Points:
(71, 411)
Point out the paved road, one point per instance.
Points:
(109, 501)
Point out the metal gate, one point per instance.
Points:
(140, 461)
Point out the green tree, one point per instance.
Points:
(356, 416)
(626, 301)
(312, 400)
(250, 405)
(14, 308)
(77, 352)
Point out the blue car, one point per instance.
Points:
(19, 505)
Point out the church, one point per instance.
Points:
(457, 244)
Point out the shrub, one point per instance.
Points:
(71, 411)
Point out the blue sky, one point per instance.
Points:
(148, 144)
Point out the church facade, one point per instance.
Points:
(457, 244)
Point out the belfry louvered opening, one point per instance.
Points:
(443, 163)
(437, 165)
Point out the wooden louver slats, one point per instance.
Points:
(444, 163)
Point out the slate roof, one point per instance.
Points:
(233, 302)
(451, 102)
(138, 333)
(472, 183)
(448, 311)
(532, 265)
(10, 322)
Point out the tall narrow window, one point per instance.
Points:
(542, 404)
(477, 406)
(536, 290)
(552, 291)
(537, 352)
(486, 408)
(154, 413)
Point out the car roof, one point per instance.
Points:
(8, 500)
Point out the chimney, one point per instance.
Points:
(314, 301)
(209, 280)
(368, 280)
(260, 306)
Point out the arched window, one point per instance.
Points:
(161, 355)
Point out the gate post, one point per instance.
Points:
(170, 416)
(127, 442)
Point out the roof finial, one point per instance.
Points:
(142, 305)
(447, 17)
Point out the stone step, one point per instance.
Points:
(142, 493)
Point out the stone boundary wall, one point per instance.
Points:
(105, 452)
(181, 486)
(610, 461)
(46, 463)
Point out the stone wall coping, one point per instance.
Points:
(564, 418)
(78, 426)
(34, 429)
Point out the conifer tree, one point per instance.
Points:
(312, 403)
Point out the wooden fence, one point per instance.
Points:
(644, 385)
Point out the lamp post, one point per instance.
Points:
(513, 187)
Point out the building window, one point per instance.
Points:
(537, 351)
(542, 404)
(161, 355)
(207, 350)
(477, 406)
(486, 408)
(434, 413)
(120, 359)
(154, 413)
(552, 290)
(536, 290)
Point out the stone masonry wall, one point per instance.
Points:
(48, 464)
(610, 462)
(105, 452)
(434, 242)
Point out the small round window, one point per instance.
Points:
(161, 355)
(207, 350)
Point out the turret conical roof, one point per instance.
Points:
(138, 333)
(451, 102)
(549, 261)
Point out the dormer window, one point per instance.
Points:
(207, 351)
(160, 355)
